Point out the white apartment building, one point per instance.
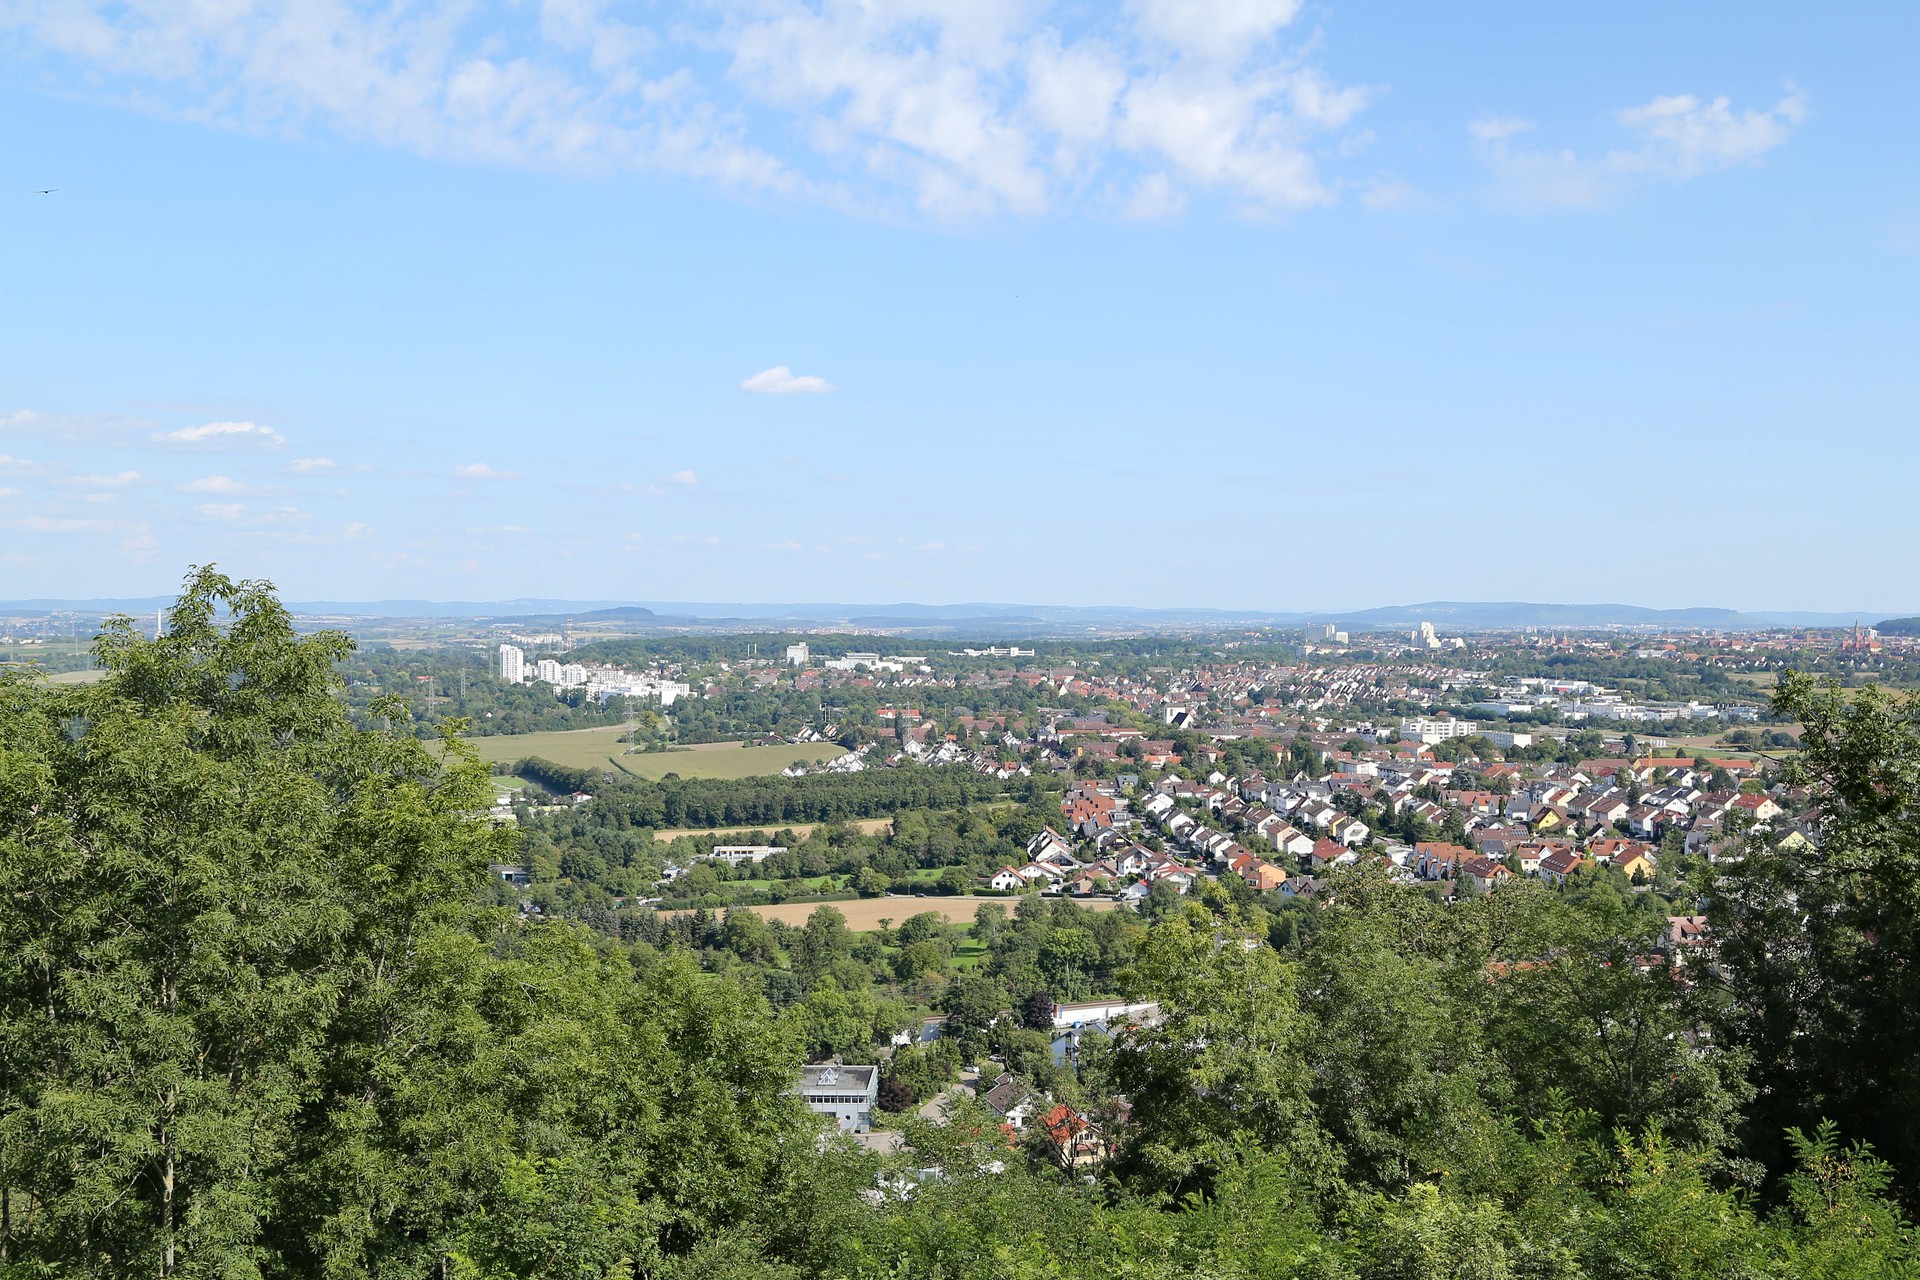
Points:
(1414, 729)
(547, 671)
(797, 654)
(871, 661)
(1505, 737)
(513, 663)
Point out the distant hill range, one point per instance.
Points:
(1006, 620)
(1899, 627)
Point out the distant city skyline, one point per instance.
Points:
(1257, 305)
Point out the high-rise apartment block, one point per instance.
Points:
(513, 663)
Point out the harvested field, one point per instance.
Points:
(864, 914)
(866, 826)
(602, 748)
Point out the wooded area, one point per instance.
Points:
(263, 1021)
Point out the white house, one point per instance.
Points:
(847, 1094)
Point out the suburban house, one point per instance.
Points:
(845, 1094)
(1558, 865)
(1011, 1099)
(1007, 880)
(1076, 1141)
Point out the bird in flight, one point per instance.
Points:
(46, 191)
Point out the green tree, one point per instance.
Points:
(205, 870)
(1821, 944)
(1226, 1066)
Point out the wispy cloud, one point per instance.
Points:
(252, 517)
(213, 484)
(1685, 136)
(58, 524)
(312, 466)
(224, 433)
(73, 428)
(1498, 128)
(483, 471)
(115, 480)
(957, 108)
(1678, 137)
(664, 485)
(782, 381)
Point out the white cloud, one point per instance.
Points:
(118, 480)
(1154, 197)
(781, 381)
(250, 517)
(72, 428)
(1388, 192)
(213, 484)
(959, 108)
(1226, 29)
(223, 433)
(309, 466)
(1685, 136)
(1679, 137)
(481, 471)
(1498, 128)
(58, 524)
(655, 490)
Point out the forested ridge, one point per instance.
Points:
(262, 1021)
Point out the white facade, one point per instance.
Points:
(735, 854)
(845, 1093)
(513, 663)
(797, 655)
(1505, 738)
(1431, 731)
(547, 671)
(871, 661)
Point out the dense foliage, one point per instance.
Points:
(263, 1022)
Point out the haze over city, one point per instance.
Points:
(1248, 305)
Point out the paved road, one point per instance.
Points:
(931, 1108)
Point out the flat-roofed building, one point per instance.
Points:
(847, 1094)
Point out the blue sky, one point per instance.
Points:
(1243, 303)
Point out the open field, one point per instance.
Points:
(574, 748)
(867, 826)
(64, 677)
(734, 762)
(599, 748)
(864, 914)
